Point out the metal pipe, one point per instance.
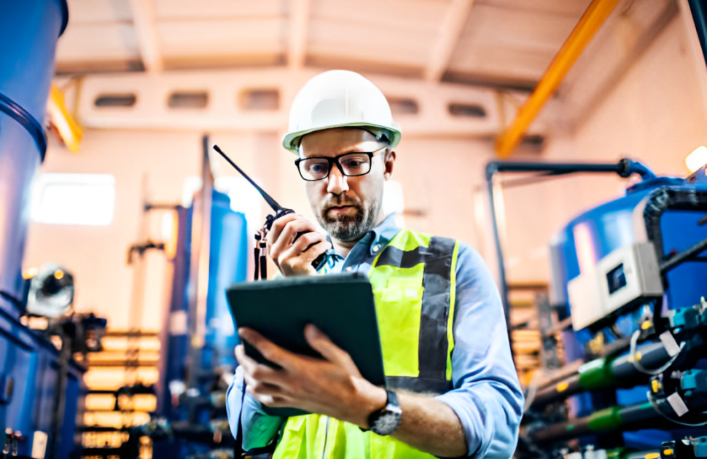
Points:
(584, 31)
(601, 374)
(611, 419)
(623, 168)
(199, 268)
(60, 395)
(682, 257)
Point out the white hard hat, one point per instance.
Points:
(339, 98)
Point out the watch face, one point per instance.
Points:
(386, 423)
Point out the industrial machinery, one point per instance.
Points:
(198, 342)
(627, 302)
(208, 251)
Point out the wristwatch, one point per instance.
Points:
(387, 420)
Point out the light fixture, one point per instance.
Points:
(697, 159)
(29, 273)
(51, 291)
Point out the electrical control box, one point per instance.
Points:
(626, 277)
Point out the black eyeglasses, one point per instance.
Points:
(350, 164)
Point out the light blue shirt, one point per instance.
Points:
(486, 395)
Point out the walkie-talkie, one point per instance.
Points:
(260, 236)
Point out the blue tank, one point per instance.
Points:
(29, 364)
(228, 263)
(29, 33)
(596, 233)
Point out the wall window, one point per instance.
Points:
(73, 199)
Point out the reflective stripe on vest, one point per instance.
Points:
(414, 284)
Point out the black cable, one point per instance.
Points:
(680, 258)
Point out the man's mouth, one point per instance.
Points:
(337, 210)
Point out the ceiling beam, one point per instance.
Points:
(299, 21)
(590, 23)
(450, 30)
(147, 36)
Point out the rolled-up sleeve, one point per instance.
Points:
(486, 397)
(259, 429)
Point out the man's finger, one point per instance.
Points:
(267, 348)
(243, 360)
(273, 401)
(306, 240)
(330, 351)
(257, 387)
(287, 235)
(279, 224)
(258, 371)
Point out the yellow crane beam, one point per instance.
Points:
(584, 31)
(59, 116)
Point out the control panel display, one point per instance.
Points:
(616, 279)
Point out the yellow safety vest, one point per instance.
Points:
(414, 286)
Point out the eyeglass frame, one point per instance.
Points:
(335, 160)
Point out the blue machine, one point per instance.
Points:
(198, 341)
(628, 288)
(29, 364)
(669, 212)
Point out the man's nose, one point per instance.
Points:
(337, 182)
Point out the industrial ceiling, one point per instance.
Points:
(489, 42)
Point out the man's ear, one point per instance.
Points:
(389, 162)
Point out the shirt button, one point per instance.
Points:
(349, 269)
(376, 248)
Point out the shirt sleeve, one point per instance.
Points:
(486, 397)
(259, 429)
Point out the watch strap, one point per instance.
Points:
(391, 409)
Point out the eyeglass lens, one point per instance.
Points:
(352, 164)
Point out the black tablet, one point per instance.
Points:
(340, 305)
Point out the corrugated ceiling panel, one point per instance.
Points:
(571, 8)
(192, 9)
(413, 15)
(98, 42)
(229, 36)
(364, 42)
(82, 11)
(498, 40)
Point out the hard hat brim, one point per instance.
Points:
(291, 140)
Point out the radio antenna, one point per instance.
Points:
(275, 206)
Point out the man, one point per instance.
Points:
(452, 388)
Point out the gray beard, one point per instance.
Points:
(351, 229)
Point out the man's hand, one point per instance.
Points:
(294, 258)
(331, 386)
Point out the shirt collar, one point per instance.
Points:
(383, 233)
(379, 237)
